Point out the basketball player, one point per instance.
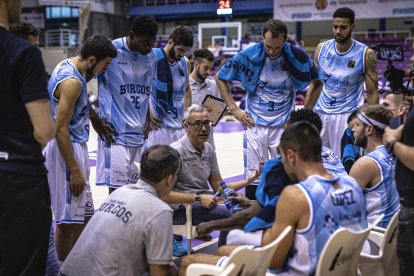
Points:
(172, 90)
(124, 92)
(67, 155)
(344, 65)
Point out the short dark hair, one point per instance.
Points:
(352, 116)
(182, 35)
(98, 46)
(24, 29)
(144, 25)
(306, 115)
(380, 114)
(276, 27)
(345, 12)
(203, 53)
(304, 139)
(159, 161)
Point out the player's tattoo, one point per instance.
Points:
(372, 61)
(371, 67)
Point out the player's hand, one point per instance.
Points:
(203, 228)
(258, 171)
(104, 130)
(392, 134)
(155, 122)
(77, 182)
(243, 117)
(208, 201)
(241, 199)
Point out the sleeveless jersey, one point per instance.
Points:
(79, 123)
(331, 162)
(343, 77)
(173, 117)
(274, 98)
(330, 208)
(383, 197)
(124, 92)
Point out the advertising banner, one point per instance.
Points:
(317, 10)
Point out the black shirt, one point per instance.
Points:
(22, 80)
(403, 175)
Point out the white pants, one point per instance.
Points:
(239, 237)
(117, 165)
(259, 144)
(334, 126)
(66, 207)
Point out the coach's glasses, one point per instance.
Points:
(198, 124)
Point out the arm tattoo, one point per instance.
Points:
(371, 66)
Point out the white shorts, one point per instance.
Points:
(165, 136)
(117, 165)
(334, 126)
(258, 144)
(239, 237)
(66, 207)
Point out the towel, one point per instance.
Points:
(247, 65)
(273, 180)
(164, 83)
(350, 152)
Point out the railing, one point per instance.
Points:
(62, 38)
(395, 33)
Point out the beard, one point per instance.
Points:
(89, 71)
(341, 39)
(201, 76)
(171, 52)
(361, 141)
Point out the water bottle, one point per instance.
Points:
(232, 206)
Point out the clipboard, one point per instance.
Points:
(215, 107)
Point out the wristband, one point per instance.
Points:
(390, 146)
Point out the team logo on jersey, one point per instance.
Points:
(123, 62)
(351, 63)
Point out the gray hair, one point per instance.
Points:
(194, 108)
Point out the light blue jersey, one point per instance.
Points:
(343, 77)
(336, 202)
(173, 117)
(383, 197)
(124, 92)
(79, 123)
(332, 163)
(274, 97)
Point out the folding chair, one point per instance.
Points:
(340, 256)
(385, 263)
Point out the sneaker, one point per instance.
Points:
(178, 249)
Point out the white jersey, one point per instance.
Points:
(331, 162)
(200, 90)
(383, 197)
(274, 98)
(333, 203)
(79, 123)
(172, 116)
(343, 77)
(124, 92)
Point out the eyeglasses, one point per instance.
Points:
(198, 124)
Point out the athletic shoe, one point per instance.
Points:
(178, 249)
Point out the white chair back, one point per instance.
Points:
(248, 261)
(340, 256)
(385, 262)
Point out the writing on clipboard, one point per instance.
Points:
(215, 107)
